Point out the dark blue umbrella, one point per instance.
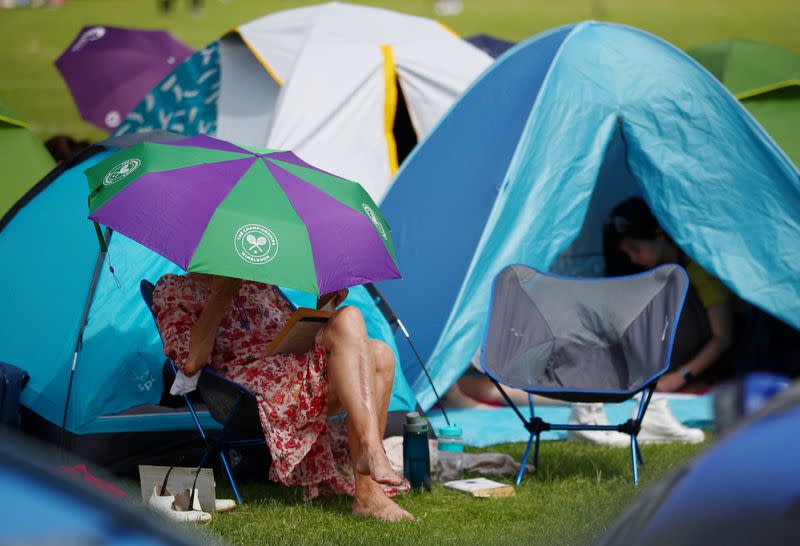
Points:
(489, 44)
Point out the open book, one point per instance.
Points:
(297, 335)
(481, 487)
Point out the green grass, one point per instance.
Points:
(578, 492)
(579, 489)
(31, 39)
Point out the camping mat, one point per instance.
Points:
(485, 427)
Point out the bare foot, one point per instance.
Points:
(375, 463)
(381, 507)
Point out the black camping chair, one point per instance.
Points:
(582, 340)
(229, 403)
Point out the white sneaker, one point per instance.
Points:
(220, 505)
(224, 505)
(166, 505)
(659, 426)
(594, 414)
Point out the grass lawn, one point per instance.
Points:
(579, 489)
(31, 39)
(578, 492)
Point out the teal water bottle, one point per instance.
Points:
(416, 454)
(450, 453)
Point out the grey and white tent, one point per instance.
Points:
(326, 81)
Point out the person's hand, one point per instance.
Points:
(201, 343)
(183, 384)
(670, 382)
(336, 297)
(224, 288)
(204, 331)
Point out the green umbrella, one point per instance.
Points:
(766, 78)
(212, 206)
(25, 160)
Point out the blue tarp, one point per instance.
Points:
(531, 159)
(490, 426)
(49, 251)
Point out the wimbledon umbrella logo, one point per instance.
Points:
(121, 171)
(90, 35)
(374, 219)
(255, 244)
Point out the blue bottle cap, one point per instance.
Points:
(450, 431)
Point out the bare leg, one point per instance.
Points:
(482, 388)
(370, 499)
(352, 377)
(455, 398)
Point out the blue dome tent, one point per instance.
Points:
(51, 265)
(525, 167)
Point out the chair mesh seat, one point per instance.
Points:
(582, 339)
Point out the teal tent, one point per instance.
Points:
(50, 256)
(529, 162)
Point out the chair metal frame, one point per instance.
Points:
(224, 441)
(536, 425)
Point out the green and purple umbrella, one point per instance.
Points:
(211, 206)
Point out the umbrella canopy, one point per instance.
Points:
(766, 79)
(109, 69)
(25, 160)
(211, 206)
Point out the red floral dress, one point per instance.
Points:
(307, 448)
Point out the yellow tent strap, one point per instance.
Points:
(261, 59)
(390, 105)
(450, 30)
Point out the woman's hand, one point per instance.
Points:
(670, 382)
(336, 297)
(204, 331)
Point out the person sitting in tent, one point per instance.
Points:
(633, 241)
(227, 324)
(705, 330)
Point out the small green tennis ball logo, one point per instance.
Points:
(374, 219)
(255, 244)
(121, 171)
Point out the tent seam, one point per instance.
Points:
(260, 58)
(753, 121)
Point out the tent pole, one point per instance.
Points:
(98, 266)
(392, 318)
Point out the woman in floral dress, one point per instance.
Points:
(227, 324)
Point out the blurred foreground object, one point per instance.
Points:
(44, 506)
(741, 398)
(743, 490)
